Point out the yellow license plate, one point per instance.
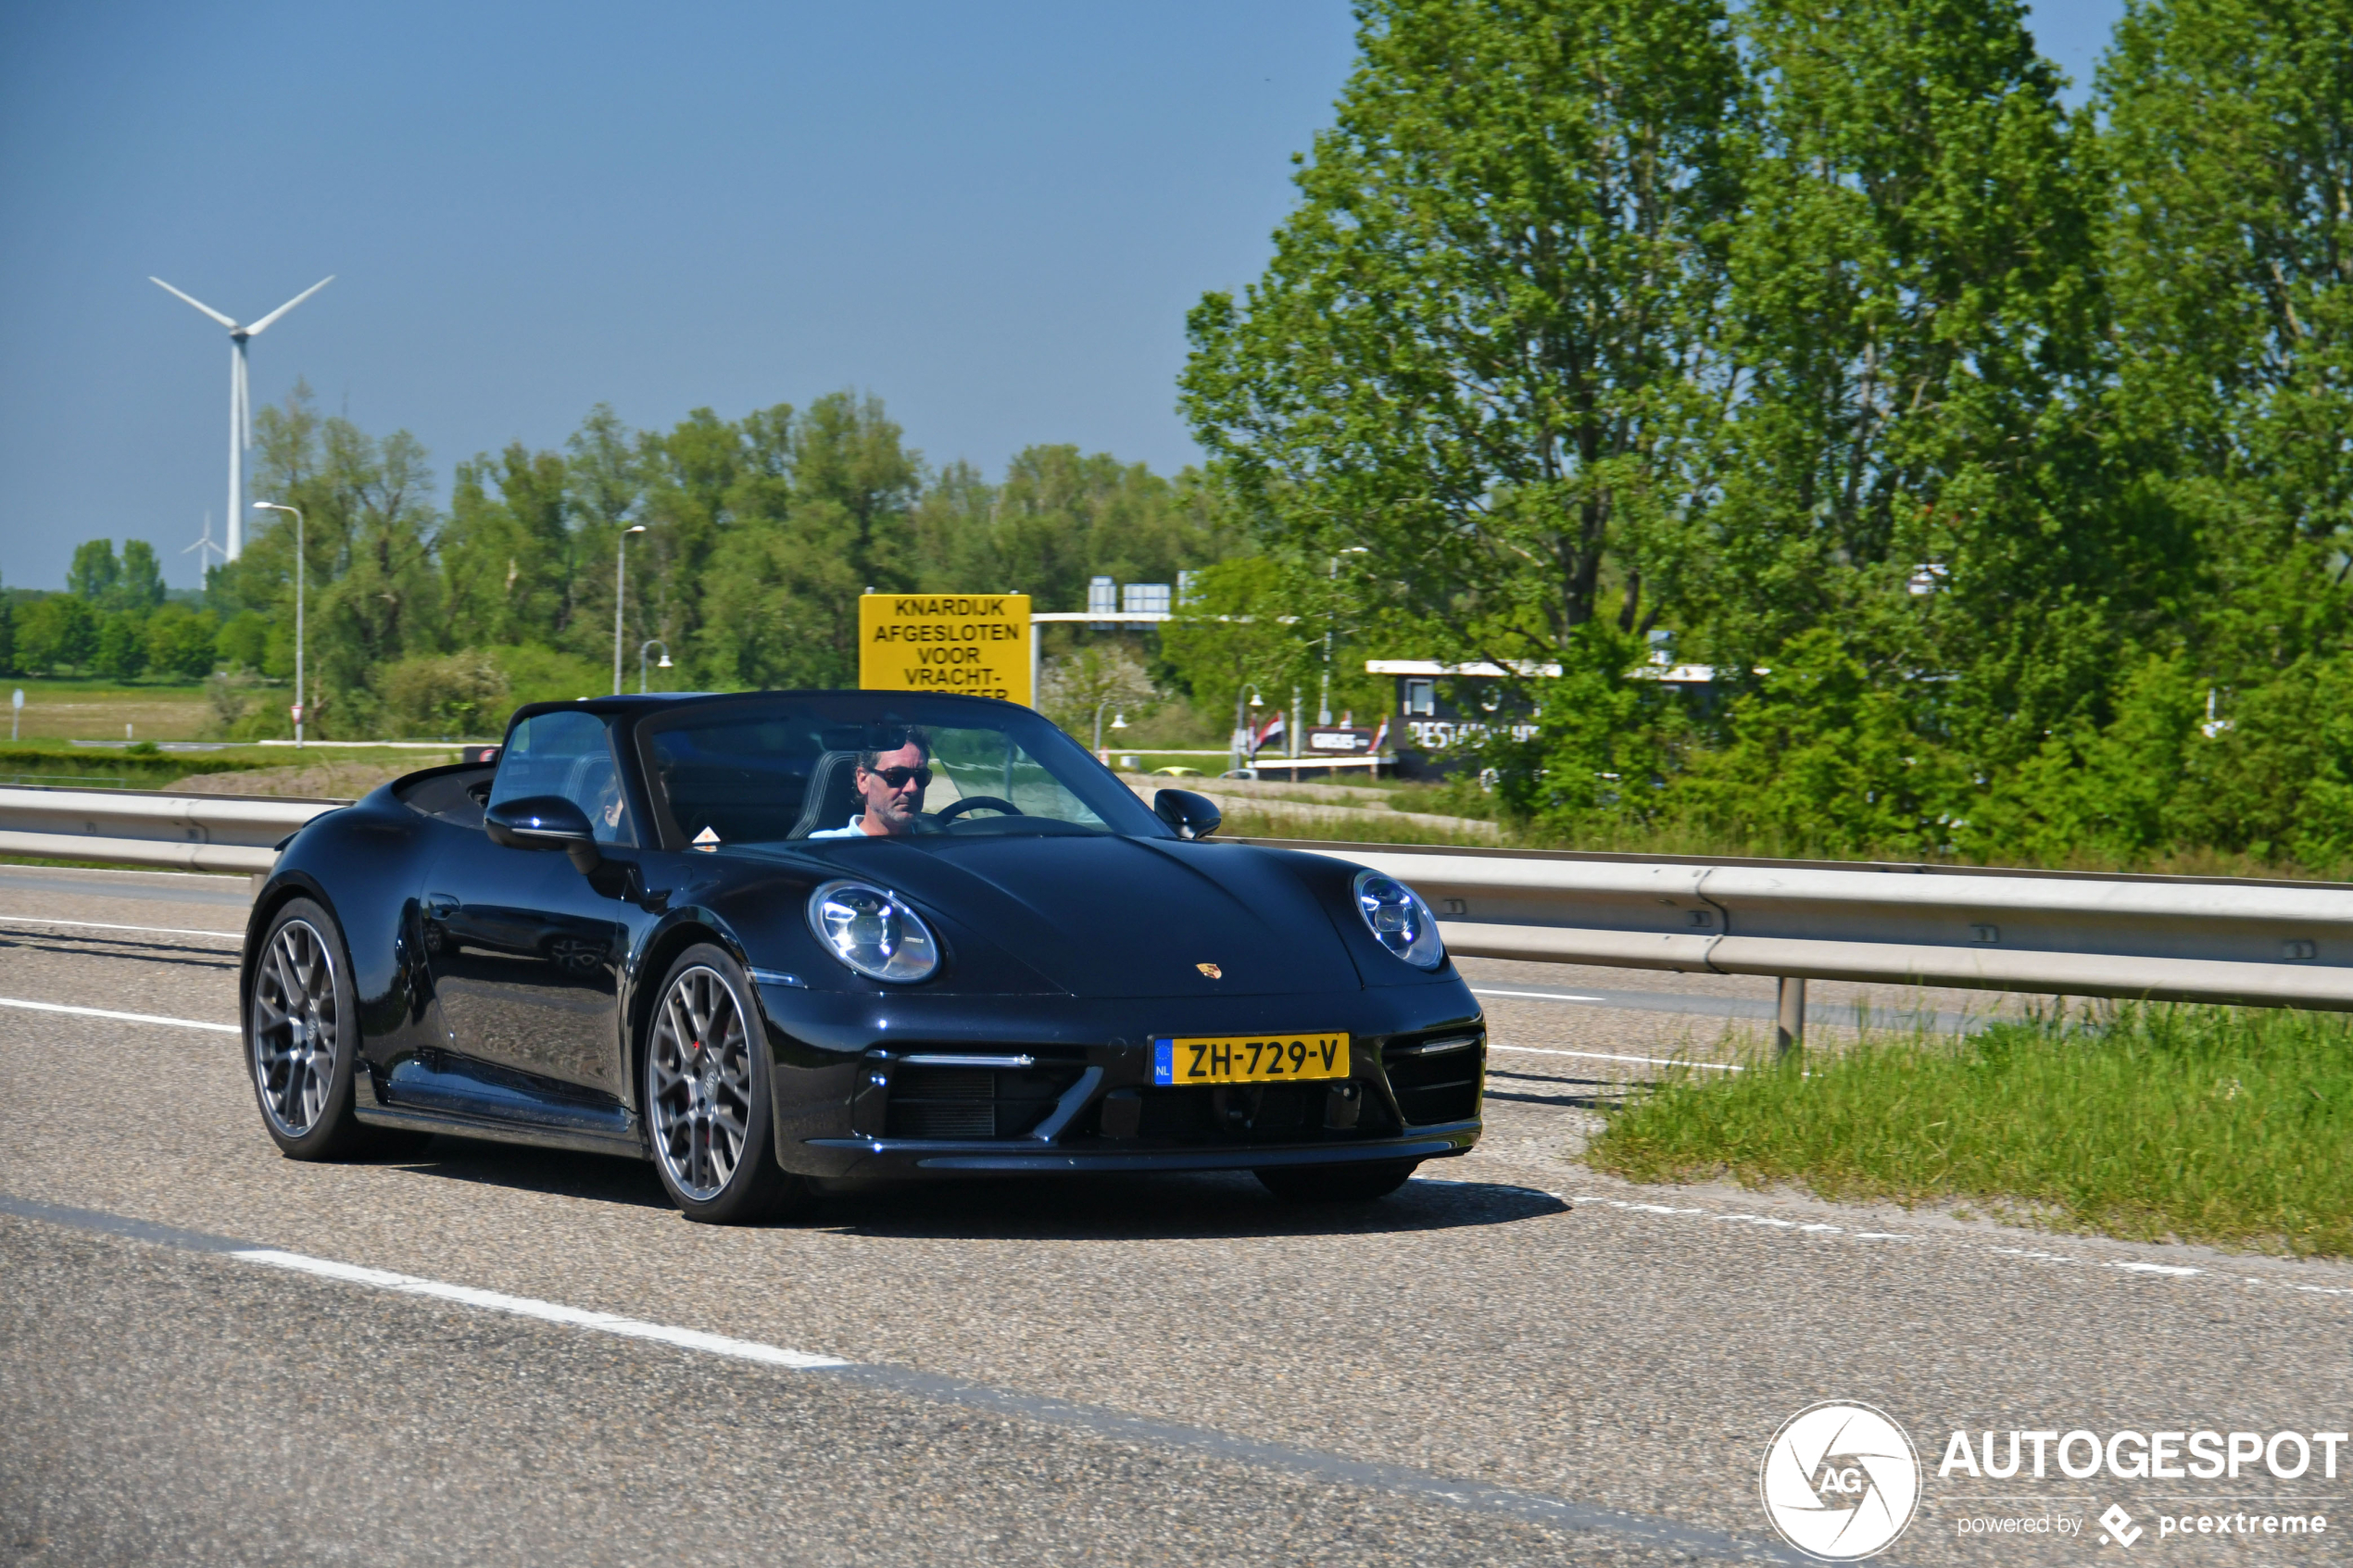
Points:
(1248, 1059)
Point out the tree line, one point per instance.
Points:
(1997, 458)
(760, 533)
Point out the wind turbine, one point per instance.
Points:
(206, 548)
(240, 408)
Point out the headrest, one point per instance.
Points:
(833, 794)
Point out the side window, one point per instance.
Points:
(566, 754)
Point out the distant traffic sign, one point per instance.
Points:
(967, 645)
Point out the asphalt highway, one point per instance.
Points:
(210, 1354)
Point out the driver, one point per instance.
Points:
(891, 784)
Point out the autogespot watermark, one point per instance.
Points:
(2081, 1454)
(1840, 1481)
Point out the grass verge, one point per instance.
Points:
(2222, 1126)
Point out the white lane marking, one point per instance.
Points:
(2126, 1265)
(546, 1312)
(124, 1017)
(1604, 1056)
(1539, 995)
(106, 925)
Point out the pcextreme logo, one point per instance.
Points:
(1840, 1481)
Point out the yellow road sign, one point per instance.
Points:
(969, 645)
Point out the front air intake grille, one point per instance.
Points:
(1253, 1113)
(1435, 1078)
(974, 1102)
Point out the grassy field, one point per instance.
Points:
(98, 710)
(2228, 1126)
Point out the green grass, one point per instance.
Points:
(2228, 1126)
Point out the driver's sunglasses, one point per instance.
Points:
(896, 778)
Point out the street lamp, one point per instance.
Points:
(650, 643)
(274, 506)
(1251, 692)
(1119, 721)
(620, 581)
(1323, 704)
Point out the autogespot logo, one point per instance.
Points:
(1840, 1481)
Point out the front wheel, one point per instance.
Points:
(708, 1111)
(1336, 1184)
(302, 1037)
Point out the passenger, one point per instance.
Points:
(892, 784)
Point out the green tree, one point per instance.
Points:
(56, 632)
(2230, 251)
(120, 651)
(96, 573)
(180, 642)
(374, 589)
(141, 588)
(1485, 348)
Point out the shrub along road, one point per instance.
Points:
(1177, 1370)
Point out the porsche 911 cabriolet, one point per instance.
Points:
(784, 942)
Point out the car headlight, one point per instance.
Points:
(872, 932)
(1399, 919)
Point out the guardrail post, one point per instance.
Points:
(1789, 1029)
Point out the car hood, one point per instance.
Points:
(1103, 916)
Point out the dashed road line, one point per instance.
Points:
(1419, 1485)
(122, 1017)
(1795, 1227)
(1606, 1056)
(108, 926)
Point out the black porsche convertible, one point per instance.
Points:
(786, 940)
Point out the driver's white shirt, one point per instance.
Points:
(857, 827)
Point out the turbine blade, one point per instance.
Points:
(198, 302)
(255, 330)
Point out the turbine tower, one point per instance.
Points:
(240, 408)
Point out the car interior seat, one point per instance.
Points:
(833, 794)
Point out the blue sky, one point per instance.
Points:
(994, 216)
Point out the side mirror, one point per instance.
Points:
(543, 821)
(1193, 816)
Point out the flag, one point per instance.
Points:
(1380, 736)
(1272, 732)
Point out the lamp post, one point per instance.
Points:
(274, 506)
(1119, 721)
(1323, 704)
(620, 584)
(650, 643)
(1251, 692)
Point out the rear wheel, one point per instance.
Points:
(708, 1111)
(1336, 1184)
(302, 1040)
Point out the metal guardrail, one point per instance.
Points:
(195, 832)
(2199, 939)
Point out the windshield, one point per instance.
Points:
(851, 765)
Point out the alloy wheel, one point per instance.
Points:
(296, 1028)
(700, 1077)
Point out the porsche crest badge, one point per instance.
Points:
(1211, 969)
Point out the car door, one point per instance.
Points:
(524, 951)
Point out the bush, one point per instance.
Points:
(457, 695)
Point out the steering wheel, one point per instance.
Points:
(970, 801)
